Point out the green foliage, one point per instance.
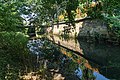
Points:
(92, 8)
(13, 54)
(9, 15)
(71, 8)
(49, 10)
(111, 6)
(109, 10)
(111, 16)
(94, 12)
(114, 25)
(12, 39)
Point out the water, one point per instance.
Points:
(102, 59)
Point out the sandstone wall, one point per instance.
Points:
(85, 28)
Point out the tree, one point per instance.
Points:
(9, 15)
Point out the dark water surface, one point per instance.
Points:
(95, 61)
(58, 58)
(62, 59)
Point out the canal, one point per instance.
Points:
(71, 59)
(105, 56)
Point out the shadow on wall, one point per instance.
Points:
(93, 30)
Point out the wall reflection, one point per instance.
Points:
(106, 57)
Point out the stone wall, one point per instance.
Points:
(93, 28)
(85, 28)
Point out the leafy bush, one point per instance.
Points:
(114, 24)
(9, 16)
(13, 53)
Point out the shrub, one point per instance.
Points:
(114, 24)
(13, 53)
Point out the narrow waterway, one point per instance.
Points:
(101, 58)
(58, 58)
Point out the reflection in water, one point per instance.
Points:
(52, 65)
(84, 70)
(107, 56)
(48, 61)
(99, 76)
(96, 75)
(79, 73)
